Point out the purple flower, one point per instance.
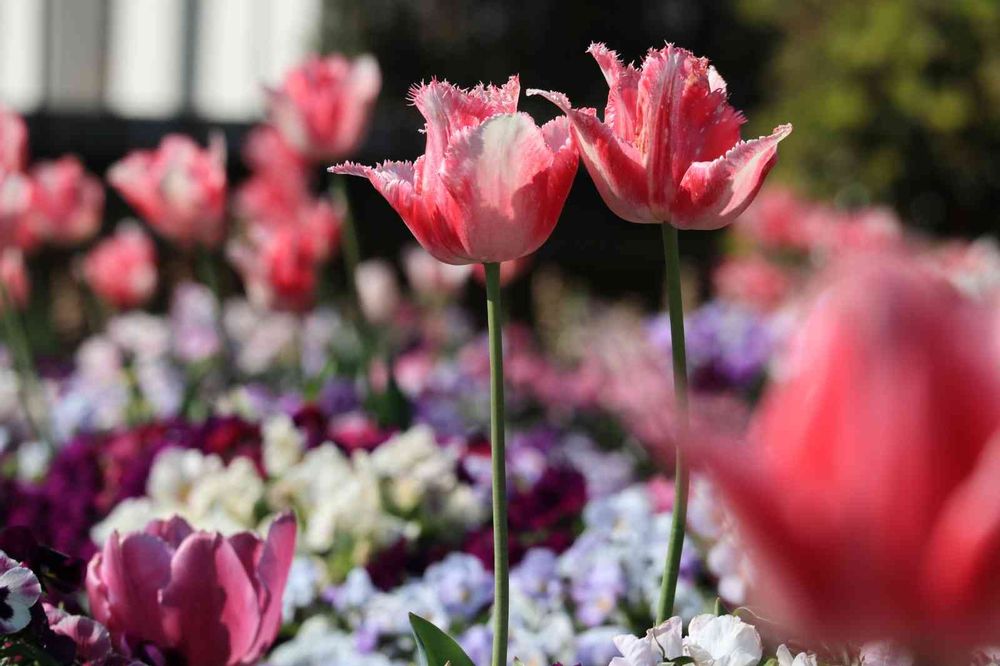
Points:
(462, 583)
(19, 591)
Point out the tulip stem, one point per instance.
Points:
(671, 568)
(500, 575)
(350, 247)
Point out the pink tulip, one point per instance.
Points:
(669, 149)
(14, 278)
(491, 183)
(13, 141)
(214, 600)
(868, 496)
(266, 150)
(322, 108)
(121, 269)
(179, 189)
(68, 203)
(752, 281)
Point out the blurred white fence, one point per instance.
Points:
(150, 58)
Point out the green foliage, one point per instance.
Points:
(895, 100)
(436, 647)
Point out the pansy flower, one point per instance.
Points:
(19, 591)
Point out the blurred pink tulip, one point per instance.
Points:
(121, 269)
(378, 290)
(13, 141)
(669, 149)
(214, 600)
(490, 185)
(279, 266)
(266, 150)
(14, 278)
(17, 228)
(868, 497)
(68, 202)
(179, 189)
(431, 278)
(322, 108)
(752, 281)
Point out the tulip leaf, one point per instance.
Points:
(436, 647)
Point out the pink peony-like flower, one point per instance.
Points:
(67, 202)
(669, 148)
(490, 185)
(121, 269)
(322, 108)
(214, 600)
(13, 141)
(868, 494)
(179, 189)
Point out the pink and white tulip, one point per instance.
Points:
(13, 141)
(490, 185)
(669, 148)
(121, 269)
(68, 202)
(322, 108)
(179, 189)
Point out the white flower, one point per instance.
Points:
(19, 591)
(130, 515)
(378, 290)
(176, 471)
(413, 463)
(801, 659)
(884, 653)
(660, 644)
(226, 500)
(283, 444)
(32, 460)
(723, 640)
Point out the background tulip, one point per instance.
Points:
(491, 183)
(669, 148)
(179, 189)
(431, 278)
(68, 203)
(13, 141)
(14, 277)
(216, 601)
(121, 269)
(868, 498)
(322, 108)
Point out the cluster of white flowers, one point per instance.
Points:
(352, 505)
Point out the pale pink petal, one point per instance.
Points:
(23, 586)
(173, 531)
(714, 193)
(497, 175)
(614, 165)
(209, 606)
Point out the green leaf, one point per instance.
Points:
(436, 647)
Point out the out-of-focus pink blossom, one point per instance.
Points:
(67, 203)
(92, 640)
(266, 150)
(753, 281)
(322, 108)
(490, 185)
(378, 291)
(121, 269)
(16, 196)
(279, 266)
(430, 278)
(13, 141)
(14, 278)
(779, 219)
(868, 495)
(214, 600)
(179, 189)
(669, 148)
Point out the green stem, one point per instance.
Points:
(350, 247)
(501, 596)
(671, 568)
(208, 273)
(20, 350)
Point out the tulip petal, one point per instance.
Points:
(209, 607)
(448, 109)
(614, 165)
(964, 549)
(497, 176)
(623, 91)
(134, 570)
(398, 182)
(272, 562)
(714, 193)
